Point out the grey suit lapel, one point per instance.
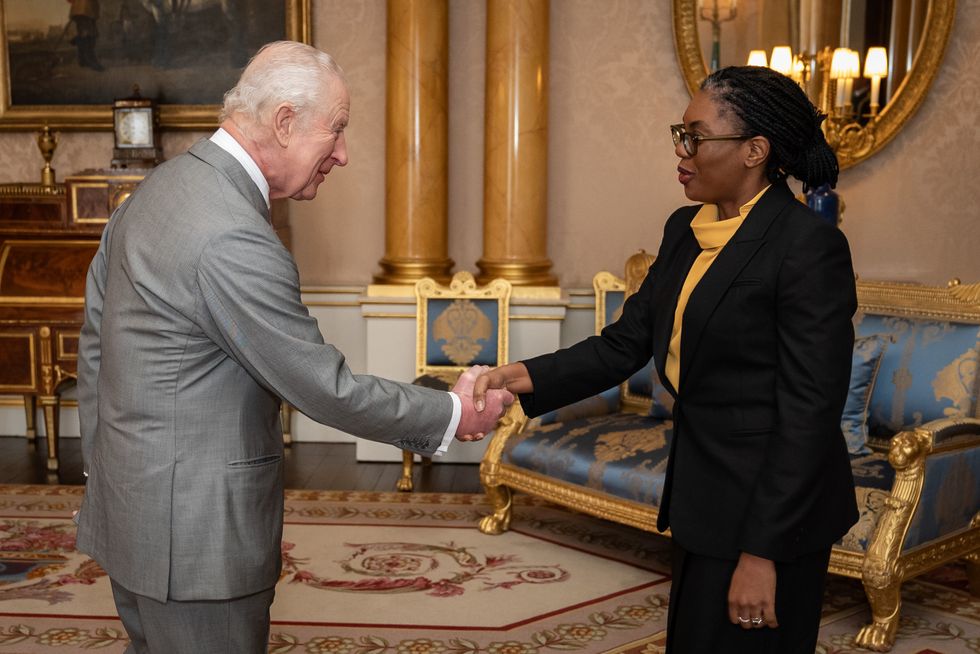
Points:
(213, 155)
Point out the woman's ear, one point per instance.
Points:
(758, 151)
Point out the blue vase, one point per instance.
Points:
(825, 201)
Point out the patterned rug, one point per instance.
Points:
(388, 573)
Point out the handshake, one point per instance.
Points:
(479, 418)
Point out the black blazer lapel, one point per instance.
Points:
(726, 267)
(675, 272)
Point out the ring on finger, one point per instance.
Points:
(744, 620)
(757, 621)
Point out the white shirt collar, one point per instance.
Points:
(227, 142)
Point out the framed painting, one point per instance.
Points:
(63, 62)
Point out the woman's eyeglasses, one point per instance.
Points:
(690, 141)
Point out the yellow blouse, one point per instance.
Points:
(712, 235)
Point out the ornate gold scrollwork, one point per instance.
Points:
(881, 571)
(513, 422)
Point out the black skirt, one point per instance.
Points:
(697, 619)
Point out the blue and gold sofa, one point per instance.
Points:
(911, 422)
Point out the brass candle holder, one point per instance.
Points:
(47, 141)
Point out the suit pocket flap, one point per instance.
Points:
(257, 461)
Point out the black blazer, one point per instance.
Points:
(757, 461)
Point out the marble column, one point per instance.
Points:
(416, 131)
(515, 196)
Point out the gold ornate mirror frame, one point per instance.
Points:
(903, 103)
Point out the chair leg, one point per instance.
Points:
(30, 413)
(499, 521)
(405, 484)
(286, 418)
(973, 572)
(51, 404)
(879, 636)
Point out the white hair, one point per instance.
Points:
(282, 71)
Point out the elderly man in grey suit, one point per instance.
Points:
(194, 332)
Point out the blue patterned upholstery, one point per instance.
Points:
(614, 306)
(645, 384)
(946, 504)
(622, 454)
(461, 332)
(868, 353)
(873, 479)
(928, 372)
(598, 405)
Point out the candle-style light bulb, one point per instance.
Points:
(876, 67)
(757, 58)
(839, 64)
(781, 60)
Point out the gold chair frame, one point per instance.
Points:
(463, 286)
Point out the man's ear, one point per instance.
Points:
(758, 151)
(283, 123)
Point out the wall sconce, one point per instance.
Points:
(846, 134)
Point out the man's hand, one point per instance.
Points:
(512, 377)
(473, 424)
(752, 594)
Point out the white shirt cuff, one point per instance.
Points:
(450, 434)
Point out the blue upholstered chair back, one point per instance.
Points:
(929, 371)
(460, 325)
(644, 391)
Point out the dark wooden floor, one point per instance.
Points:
(319, 466)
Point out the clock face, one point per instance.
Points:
(134, 128)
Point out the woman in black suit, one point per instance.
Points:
(747, 314)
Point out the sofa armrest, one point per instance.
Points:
(908, 453)
(953, 432)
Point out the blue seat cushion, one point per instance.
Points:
(621, 454)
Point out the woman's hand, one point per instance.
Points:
(514, 377)
(752, 594)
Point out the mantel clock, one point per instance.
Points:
(136, 130)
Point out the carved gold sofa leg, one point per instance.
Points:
(499, 521)
(879, 636)
(879, 571)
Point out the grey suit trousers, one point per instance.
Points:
(236, 626)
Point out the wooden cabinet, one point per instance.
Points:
(48, 236)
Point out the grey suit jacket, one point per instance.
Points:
(194, 330)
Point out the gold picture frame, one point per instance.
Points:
(82, 116)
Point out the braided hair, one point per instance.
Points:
(772, 105)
